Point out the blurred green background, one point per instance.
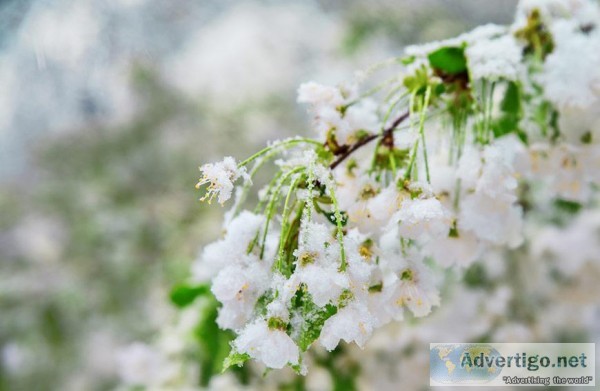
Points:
(106, 111)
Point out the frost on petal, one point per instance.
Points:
(318, 94)
(496, 221)
(572, 84)
(361, 117)
(273, 347)
(383, 304)
(324, 283)
(416, 290)
(469, 167)
(353, 323)
(238, 289)
(460, 249)
(232, 249)
(220, 177)
(422, 219)
(494, 59)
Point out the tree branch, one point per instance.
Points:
(387, 133)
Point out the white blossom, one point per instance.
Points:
(273, 347)
(352, 323)
(572, 84)
(494, 58)
(220, 177)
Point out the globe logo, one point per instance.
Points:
(463, 363)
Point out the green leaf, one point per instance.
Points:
(331, 215)
(571, 207)
(183, 295)
(511, 103)
(511, 113)
(214, 343)
(450, 60)
(314, 317)
(260, 308)
(235, 358)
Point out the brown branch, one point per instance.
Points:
(387, 135)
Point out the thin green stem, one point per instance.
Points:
(271, 206)
(285, 143)
(413, 154)
(422, 131)
(340, 231)
(248, 184)
(284, 223)
(269, 190)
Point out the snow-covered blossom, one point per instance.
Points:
(494, 58)
(572, 84)
(565, 169)
(352, 323)
(416, 290)
(422, 218)
(238, 288)
(480, 33)
(318, 94)
(220, 177)
(271, 346)
(337, 117)
(232, 249)
(460, 248)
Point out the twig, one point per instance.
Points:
(386, 136)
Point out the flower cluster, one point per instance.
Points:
(427, 171)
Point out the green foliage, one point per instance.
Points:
(511, 113)
(330, 215)
(567, 206)
(448, 60)
(261, 304)
(547, 117)
(417, 83)
(183, 295)
(214, 343)
(476, 277)
(235, 358)
(314, 317)
(344, 371)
